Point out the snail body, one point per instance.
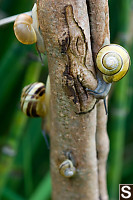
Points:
(40, 42)
(33, 100)
(67, 169)
(27, 31)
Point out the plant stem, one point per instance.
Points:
(11, 19)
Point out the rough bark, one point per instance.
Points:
(99, 26)
(66, 32)
(102, 146)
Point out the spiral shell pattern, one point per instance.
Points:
(113, 61)
(23, 29)
(33, 100)
(67, 169)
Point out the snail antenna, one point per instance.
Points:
(105, 106)
(45, 138)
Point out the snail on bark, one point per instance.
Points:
(35, 102)
(32, 100)
(67, 169)
(113, 62)
(27, 29)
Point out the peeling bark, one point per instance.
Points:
(66, 32)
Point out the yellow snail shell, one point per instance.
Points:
(33, 100)
(113, 61)
(67, 169)
(24, 30)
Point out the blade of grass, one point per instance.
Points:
(10, 195)
(117, 119)
(17, 129)
(12, 75)
(33, 130)
(43, 191)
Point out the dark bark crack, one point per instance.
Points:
(74, 46)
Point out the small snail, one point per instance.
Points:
(113, 62)
(67, 169)
(35, 103)
(24, 30)
(27, 30)
(32, 100)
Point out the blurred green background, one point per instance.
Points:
(24, 157)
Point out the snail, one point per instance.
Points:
(27, 31)
(113, 62)
(35, 102)
(67, 169)
(32, 100)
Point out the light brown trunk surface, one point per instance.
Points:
(102, 145)
(66, 31)
(99, 28)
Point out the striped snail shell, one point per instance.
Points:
(67, 169)
(24, 30)
(113, 61)
(33, 100)
(27, 29)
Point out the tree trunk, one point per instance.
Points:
(78, 124)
